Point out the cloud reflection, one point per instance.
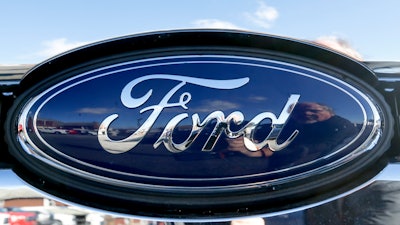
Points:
(96, 111)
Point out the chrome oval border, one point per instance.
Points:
(30, 148)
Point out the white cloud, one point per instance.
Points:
(257, 98)
(340, 45)
(215, 104)
(214, 23)
(264, 16)
(57, 46)
(96, 111)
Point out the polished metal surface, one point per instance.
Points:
(130, 142)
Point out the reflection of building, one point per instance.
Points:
(48, 123)
(20, 197)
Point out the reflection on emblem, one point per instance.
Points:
(161, 106)
(222, 125)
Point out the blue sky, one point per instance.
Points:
(32, 31)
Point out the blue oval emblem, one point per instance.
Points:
(201, 121)
(178, 126)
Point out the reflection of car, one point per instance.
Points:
(4, 219)
(50, 130)
(72, 132)
(44, 217)
(46, 130)
(18, 217)
(92, 132)
(59, 131)
(78, 131)
(28, 216)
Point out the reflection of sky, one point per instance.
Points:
(9, 179)
(268, 90)
(391, 172)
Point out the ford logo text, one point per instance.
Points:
(222, 122)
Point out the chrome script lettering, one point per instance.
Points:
(222, 125)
